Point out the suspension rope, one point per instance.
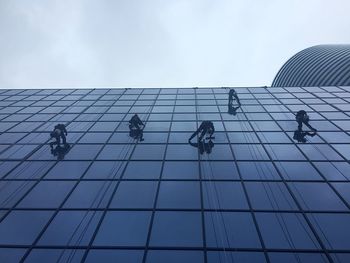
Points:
(103, 190)
(211, 180)
(279, 216)
(212, 204)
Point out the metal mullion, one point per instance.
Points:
(147, 246)
(201, 183)
(186, 209)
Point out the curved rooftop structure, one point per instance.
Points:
(322, 65)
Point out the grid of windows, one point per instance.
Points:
(259, 196)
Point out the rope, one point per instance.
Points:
(279, 217)
(219, 206)
(212, 219)
(82, 234)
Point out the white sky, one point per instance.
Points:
(160, 43)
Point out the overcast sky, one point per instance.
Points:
(160, 43)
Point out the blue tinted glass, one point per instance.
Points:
(258, 171)
(131, 194)
(112, 256)
(47, 194)
(273, 137)
(218, 170)
(71, 228)
(242, 257)
(181, 152)
(289, 231)
(17, 152)
(5, 167)
(270, 196)
(223, 195)
(11, 137)
(12, 191)
(67, 170)
(334, 171)
(169, 195)
(297, 257)
(298, 171)
(83, 152)
(100, 137)
(142, 170)
(91, 195)
(343, 149)
(11, 255)
(316, 152)
(55, 255)
(178, 229)
(105, 170)
(309, 196)
(333, 229)
(160, 256)
(243, 137)
(115, 152)
(249, 152)
(344, 190)
(148, 152)
(14, 224)
(177, 137)
(180, 170)
(233, 230)
(124, 228)
(284, 152)
(104, 126)
(157, 126)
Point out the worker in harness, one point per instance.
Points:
(302, 118)
(136, 127)
(59, 132)
(205, 143)
(299, 136)
(232, 95)
(206, 127)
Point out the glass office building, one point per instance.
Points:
(258, 196)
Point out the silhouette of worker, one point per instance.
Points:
(300, 135)
(60, 151)
(232, 96)
(204, 145)
(58, 133)
(136, 127)
(302, 118)
(206, 127)
(232, 110)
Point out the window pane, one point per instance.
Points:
(112, 256)
(286, 231)
(169, 195)
(235, 230)
(224, 195)
(121, 228)
(13, 224)
(71, 228)
(178, 229)
(135, 195)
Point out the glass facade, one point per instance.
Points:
(258, 196)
